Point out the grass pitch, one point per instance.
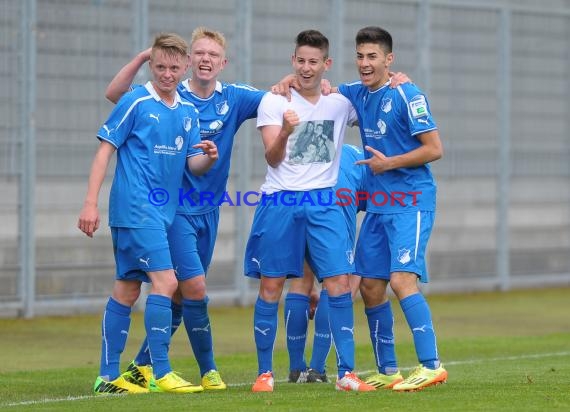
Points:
(503, 351)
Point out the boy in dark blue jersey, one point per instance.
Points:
(156, 134)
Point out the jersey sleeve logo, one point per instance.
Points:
(386, 105)
(187, 123)
(418, 106)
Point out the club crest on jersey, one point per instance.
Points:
(418, 106)
(386, 104)
(187, 123)
(222, 108)
(404, 256)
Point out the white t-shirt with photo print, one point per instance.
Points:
(313, 150)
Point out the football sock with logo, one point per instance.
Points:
(322, 338)
(341, 320)
(199, 330)
(296, 314)
(265, 330)
(381, 325)
(158, 325)
(114, 332)
(143, 357)
(418, 316)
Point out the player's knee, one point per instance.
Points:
(165, 286)
(337, 285)
(126, 293)
(373, 291)
(404, 284)
(270, 289)
(194, 288)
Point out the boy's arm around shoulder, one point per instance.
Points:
(122, 81)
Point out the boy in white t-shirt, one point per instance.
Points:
(298, 216)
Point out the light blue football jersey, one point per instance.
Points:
(153, 142)
(221, 115)
(389, 121)
(351, 179)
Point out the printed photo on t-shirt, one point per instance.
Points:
(312, 142)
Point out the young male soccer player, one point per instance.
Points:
(222, 109)
(297, 213)
(401, 139)
(297, 301)
(154, 131)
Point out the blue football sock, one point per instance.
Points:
(143, 357)
(341, 320)
(322, 337)
(418, 315)
(199, 330)
(176, 316)
(265, 330)
(158, 325)
(114, 333)
(381, 325)
(296, 322)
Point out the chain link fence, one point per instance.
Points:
(497, 75)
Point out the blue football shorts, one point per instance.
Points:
(192, 239)
(138, 251)
(393, 242)
(287, 226)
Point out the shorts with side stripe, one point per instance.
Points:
(396, 242)
(283, 232)
(192, 239)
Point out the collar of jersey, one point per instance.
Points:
(381, 87)
(186, 85)
(155, 96)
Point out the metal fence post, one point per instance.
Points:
(504, 166)
(27, 244)
(336, 28)
(140, 33)
(243, 23)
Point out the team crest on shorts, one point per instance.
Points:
(350, 256)
(404, 256)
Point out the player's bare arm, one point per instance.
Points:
(124, 78)
(89, 219)
(199, 165)
(430, 150)
(275, 138)
(284, 86)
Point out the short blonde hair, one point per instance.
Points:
(203, 32)
(171, 44)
